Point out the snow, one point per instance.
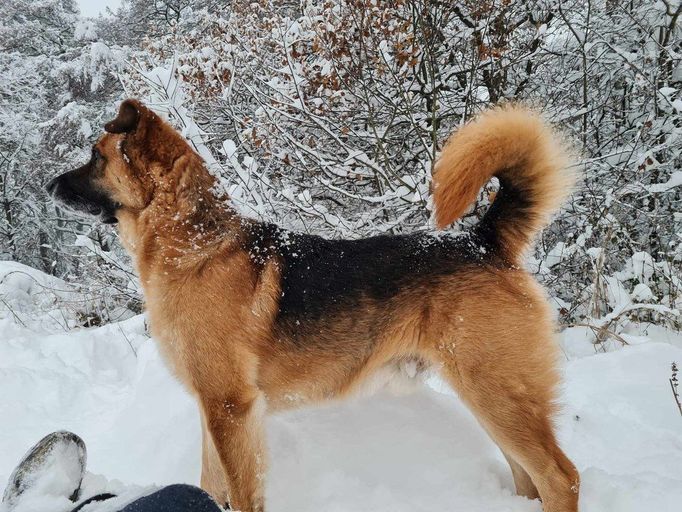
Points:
(412, 452)
(85, 30)
(23, 290)
(674, 181)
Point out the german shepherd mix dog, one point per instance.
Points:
(249, 315)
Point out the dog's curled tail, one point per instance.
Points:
(515, 145)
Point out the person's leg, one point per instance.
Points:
(174, 498)
(56, 465)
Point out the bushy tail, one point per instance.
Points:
(517, 147)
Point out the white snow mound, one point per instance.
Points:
(419, 452)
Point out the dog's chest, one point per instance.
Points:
(173, 349)
(167, 321)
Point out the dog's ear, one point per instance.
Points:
(128, 117)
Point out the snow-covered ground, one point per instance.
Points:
(417, 452)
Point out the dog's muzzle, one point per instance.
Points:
(74, 191)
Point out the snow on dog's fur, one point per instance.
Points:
(255, 319)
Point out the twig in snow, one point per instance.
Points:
(674, 384)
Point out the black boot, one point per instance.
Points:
(57, 462)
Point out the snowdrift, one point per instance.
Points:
(416, 452)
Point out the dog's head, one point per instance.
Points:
(139, 157)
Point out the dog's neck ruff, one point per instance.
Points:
(166, 237)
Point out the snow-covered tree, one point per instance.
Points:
(328, 117)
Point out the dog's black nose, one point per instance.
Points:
(52, 186)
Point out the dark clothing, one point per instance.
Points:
(173, 498)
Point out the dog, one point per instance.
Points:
(254, 319)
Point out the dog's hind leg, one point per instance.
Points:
(502, 362)
(235, 423)
(517, 415)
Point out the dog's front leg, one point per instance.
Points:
(212, 472)
(235, 423)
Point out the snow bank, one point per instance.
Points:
(23, 285)
(419, 452)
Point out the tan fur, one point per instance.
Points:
(513, 144)
(212, 311)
